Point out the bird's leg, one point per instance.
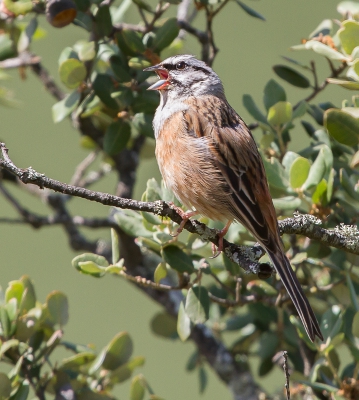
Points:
(185, 217)
(221, 234)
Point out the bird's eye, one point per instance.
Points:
(181, 65)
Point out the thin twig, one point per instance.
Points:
(286, 374)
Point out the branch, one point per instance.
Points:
(342, 237)
(319, 88)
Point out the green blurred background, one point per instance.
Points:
(99, 308)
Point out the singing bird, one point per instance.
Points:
(208, 158)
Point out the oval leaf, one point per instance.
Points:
(298, 172)
(273, 93)
(342, 126)
(183, 323)
(280, 113)
(165, 35)
(197, 304)
(118, 351)
(177, 259)
(58, 307)
(116, 137)
(349, 35)
(291, 76)
(72, 72)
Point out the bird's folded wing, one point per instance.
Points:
(236, 155)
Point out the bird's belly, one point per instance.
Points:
(194, 180)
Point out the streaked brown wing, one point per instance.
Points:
(236, 156)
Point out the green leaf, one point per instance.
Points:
(319, 195)
(115, 246)
(355, 326)
(124, 372)
(298, 172)
(261, 287)
(86, 50)
(28, 299)
(138, 386)
(252, 108)
(273, 93)
(119, 69)
(58, 307)
(268, 344)
(103, 87)
(65, 107)
(276, 174)
(287, 203)
(72, 72)
(164, 325)
(27, 35)
(319, 386)
(280, 113)
(103, 22)
(131, 223)
(8, 344)
(345, 84)
(342, 126)
(23, 391)
(300, 110)
(139, 63)
(142, 123)
(118, 351)
(183, 323)
(197, 304)
(130, 42)
(177, 259)
(116, 137)
(82, 258)
(14, 290)
(348, 185)
(165, 35)
(90, 268)
(316, 172)
(74, 363)
(160, 272)
(331, 322)
(142, 4)
(349, 35)
(291, 76)
(5, 386)
(324, 28)
(202, 375)
(322, 49)
(353, 294)
(5, 322)
(250, 10)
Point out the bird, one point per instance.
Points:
(209, 159)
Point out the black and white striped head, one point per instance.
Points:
(184, 75)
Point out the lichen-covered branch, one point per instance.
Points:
(343, 237)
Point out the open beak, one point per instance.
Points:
(162, 73)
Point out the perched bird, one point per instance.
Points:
(208, 158)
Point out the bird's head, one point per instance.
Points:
(184, 75)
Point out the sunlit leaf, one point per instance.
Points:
(342, 126)
(349, 35)
(299, 171)
(197, 304)
(183, 323)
